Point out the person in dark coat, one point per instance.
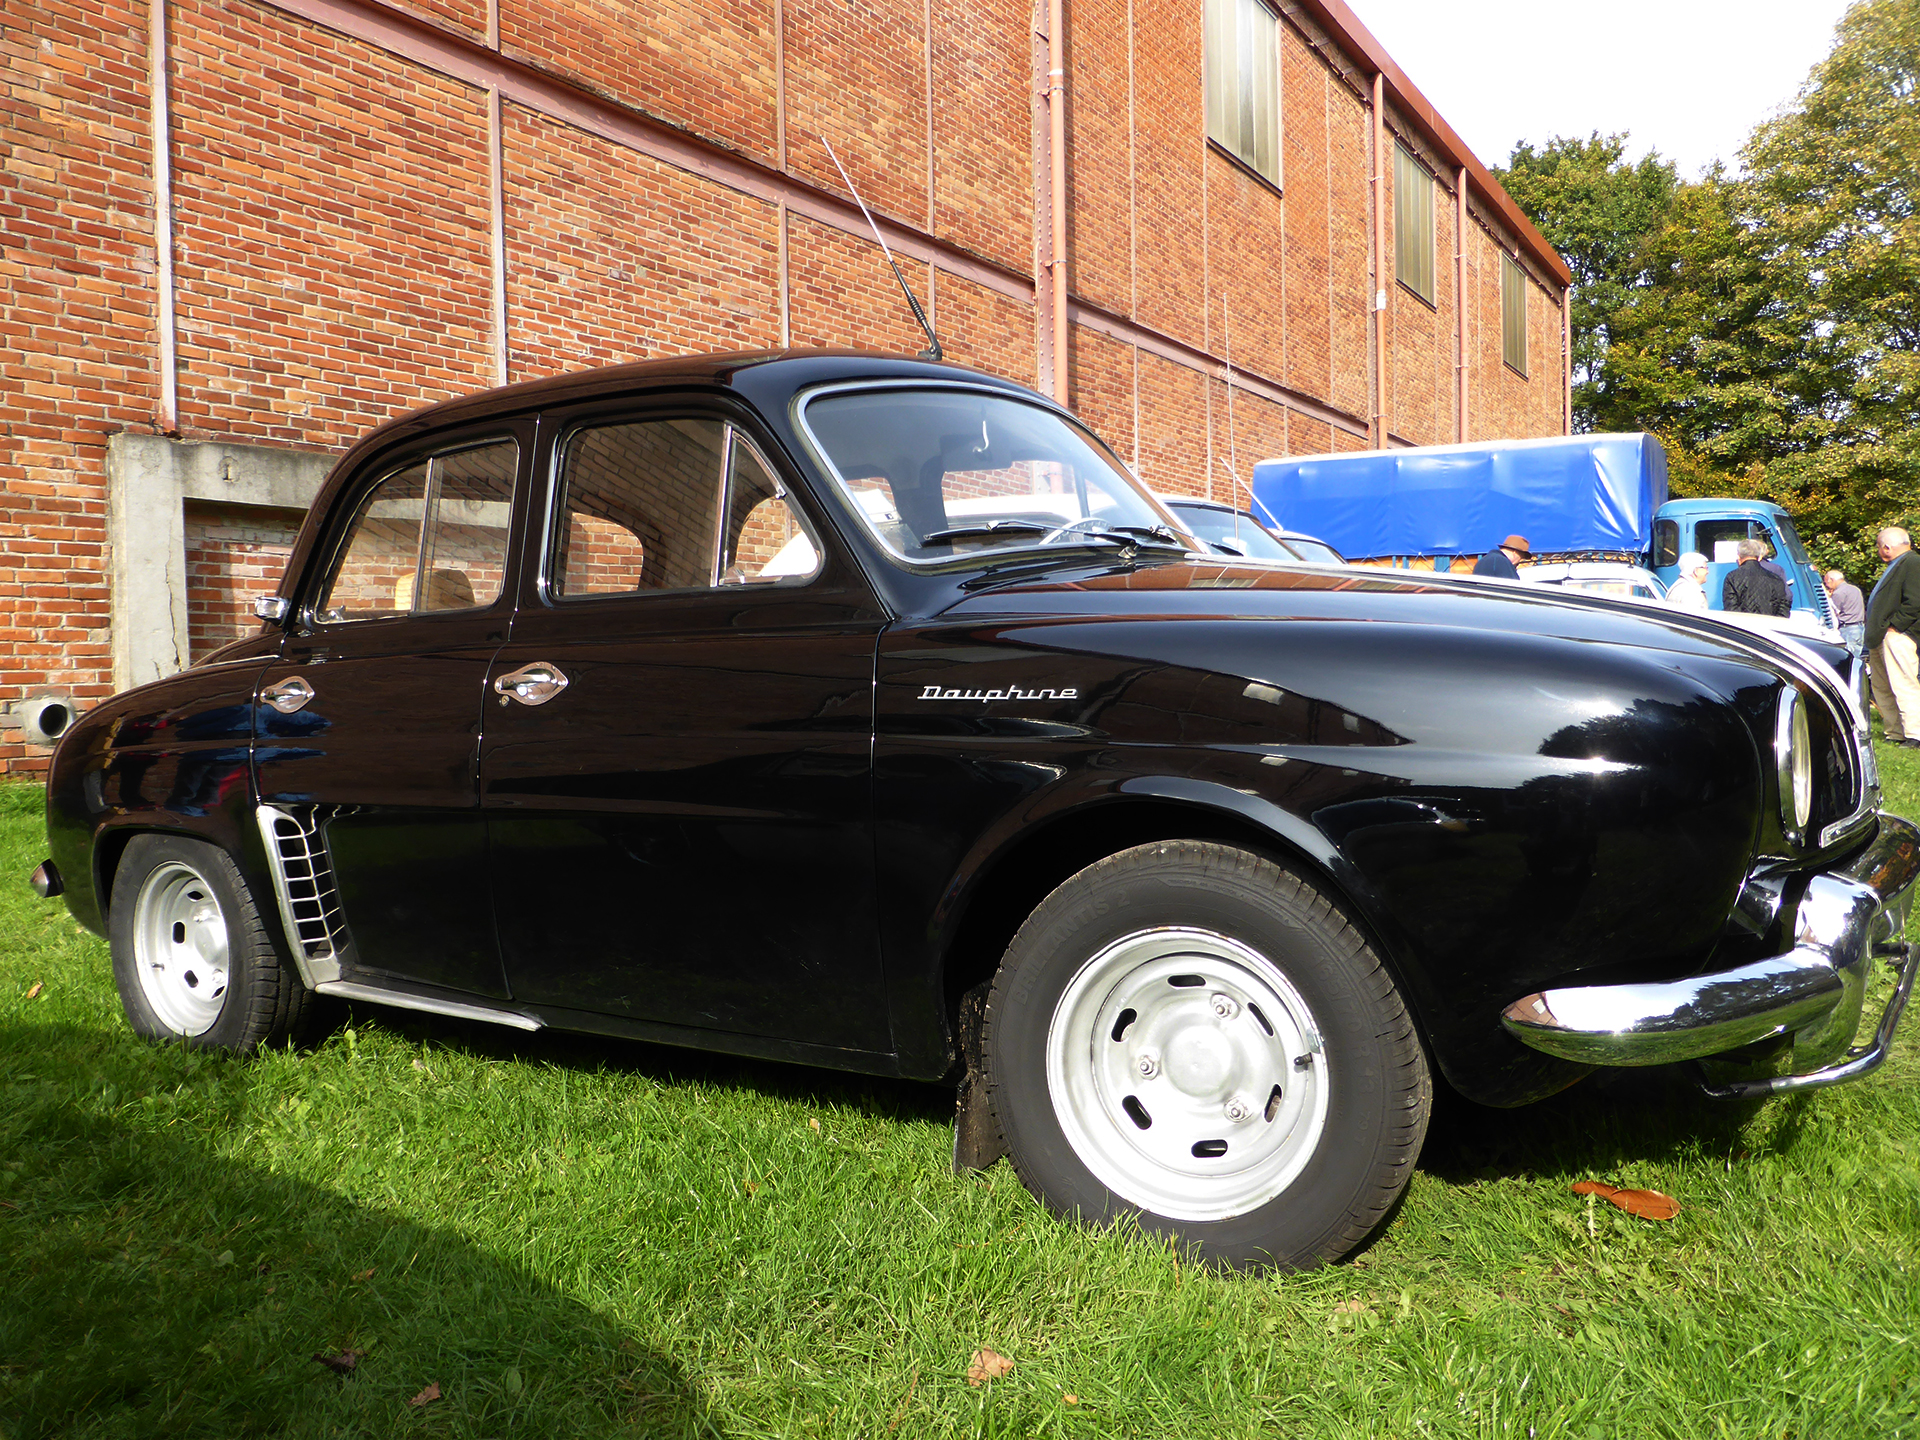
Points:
(1751, 589)
(1893, 620)
(1500, 563)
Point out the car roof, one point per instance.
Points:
(802, 366)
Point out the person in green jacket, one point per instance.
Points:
(1893, 619)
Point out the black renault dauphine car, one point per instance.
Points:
(868, 713)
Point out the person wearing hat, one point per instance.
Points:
(1500, 563)
(1689, 592)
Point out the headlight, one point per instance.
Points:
(1793, 754)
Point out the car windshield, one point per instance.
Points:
(1230, 532)
(936, 473)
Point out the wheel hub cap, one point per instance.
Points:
(1187, 1073)
(180, 948)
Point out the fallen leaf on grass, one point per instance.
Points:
(341, 1364)
(1069, 1399)
(366, 1274)
(814, 1123)
(426, 1396)
(34, 991)
(986, 1365)
(1647, 1204)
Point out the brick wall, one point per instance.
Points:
(334, 245)
(233, 554)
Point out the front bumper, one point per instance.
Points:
(1810, 998)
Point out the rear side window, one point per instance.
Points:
(671, 504)
(429, 537)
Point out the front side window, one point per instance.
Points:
(1412, 223)
(940, 473)
(1243, 82)
(671, 504)
(1513, 314)
(430, 537)
(1719, 540)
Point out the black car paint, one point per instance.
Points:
(1505, 789)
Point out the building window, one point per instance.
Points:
(1243, 83)
(1412, 223)
(1513, 314)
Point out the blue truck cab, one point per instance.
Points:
(1715, 526)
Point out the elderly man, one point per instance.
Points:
(1849, 610)
(1500, 563)
(1689, 590)
(1751, 589)
(1893, 615)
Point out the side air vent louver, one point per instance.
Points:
(303, 881)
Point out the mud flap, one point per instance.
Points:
(977, 1141)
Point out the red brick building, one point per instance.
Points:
(234, 234)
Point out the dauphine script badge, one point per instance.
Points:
(1008, 692)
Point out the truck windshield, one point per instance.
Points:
(934, 473)
(1790, 540)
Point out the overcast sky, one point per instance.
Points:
(1689, 78)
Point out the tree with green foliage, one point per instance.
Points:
(1598, 210)
(1766, 326)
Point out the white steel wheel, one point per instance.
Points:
(193, 958)
(1195, 1038)
(181, 947)
(1187, 1073)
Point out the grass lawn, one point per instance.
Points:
(576, 1238)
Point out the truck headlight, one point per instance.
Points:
(1793, 755)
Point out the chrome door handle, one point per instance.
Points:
(533, 684)
(289, 695)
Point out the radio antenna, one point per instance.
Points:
(932, 352)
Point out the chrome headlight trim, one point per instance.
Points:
(1793, 761)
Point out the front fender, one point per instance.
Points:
(172, 757)
(1501, 810)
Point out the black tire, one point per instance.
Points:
(1321, 1163)
(192, 891)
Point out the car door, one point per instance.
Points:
(367, 728)
(676, 771)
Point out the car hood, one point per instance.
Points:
(1209, 590)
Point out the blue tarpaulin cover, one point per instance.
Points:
(1568, 493)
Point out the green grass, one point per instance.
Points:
(577, 1238)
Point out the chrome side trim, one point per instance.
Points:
(1815, 991)
(303, 884)
(350, 990)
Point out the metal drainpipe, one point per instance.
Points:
(169, 417)
(1057, 127)
(1460, 304)
(1566, 354)
(1379, 263)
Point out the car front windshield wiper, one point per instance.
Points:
(1133, 535)
(997, 527)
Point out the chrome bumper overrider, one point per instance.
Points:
(1814, 993)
